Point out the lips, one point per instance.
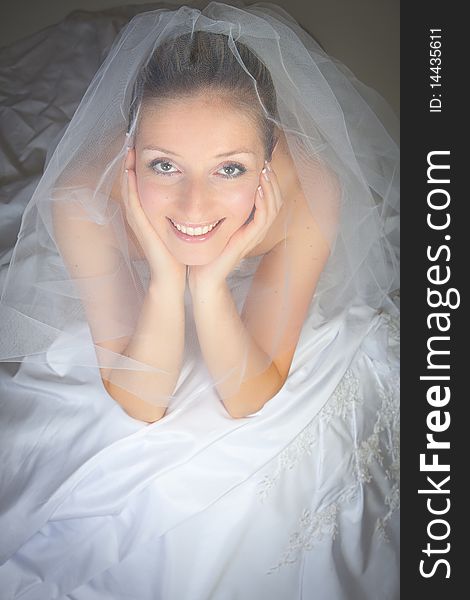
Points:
(195, 238)
(195, 229)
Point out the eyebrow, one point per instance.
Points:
(238, 151)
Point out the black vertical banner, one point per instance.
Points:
(435, 240)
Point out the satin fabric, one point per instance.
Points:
(91, 493)
(299, 500)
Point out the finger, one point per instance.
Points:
(132, 189)
(130, 158)
(124, 176)
(134, 201)
(147, 232)
(275, 187)
(269, 197)
(124, 189)
(252, 229)
(132, 207)
(129, 212)
(129, 162)
(245, 238)
(260, 218)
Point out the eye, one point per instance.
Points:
(231, 167)
(163, 165)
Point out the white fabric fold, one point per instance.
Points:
(298, 500)
(124, 486)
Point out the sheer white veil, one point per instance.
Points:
(328, 117)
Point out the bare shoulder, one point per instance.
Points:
(86, 246)
(302, 258)
(300, 216)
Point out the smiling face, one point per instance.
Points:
(198, 162)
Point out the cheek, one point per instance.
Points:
(153, 198)
(240, 201)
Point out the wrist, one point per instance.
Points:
(170, 287)
(203, 281)
(203, 287)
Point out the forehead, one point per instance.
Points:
(200, 121)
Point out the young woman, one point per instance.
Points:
(200, 161)
(200, 301)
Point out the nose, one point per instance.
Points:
(197, 203)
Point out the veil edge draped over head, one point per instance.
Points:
(330, 121)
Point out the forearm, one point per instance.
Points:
(158, 341)
(245, 376)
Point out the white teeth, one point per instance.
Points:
(194, 231)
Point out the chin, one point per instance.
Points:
(194, 260)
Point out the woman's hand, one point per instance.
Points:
(268, 201)
(164, 267)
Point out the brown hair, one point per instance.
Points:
(203, 62)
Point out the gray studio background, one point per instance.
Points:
(363, 34)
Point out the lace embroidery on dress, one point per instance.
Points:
(342, 400)
(393, 325)
(381, 447)
(312, 528)
(384, 441)
(389, 421)
(392, 500)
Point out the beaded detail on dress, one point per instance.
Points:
(375, 456)
(340, 404)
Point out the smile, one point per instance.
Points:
(194, 231)
(195, 234)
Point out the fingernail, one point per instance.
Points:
(265, 175)
(260, 190)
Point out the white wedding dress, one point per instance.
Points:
(299, 500)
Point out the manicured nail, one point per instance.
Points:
(265, 174)
(260, 190)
